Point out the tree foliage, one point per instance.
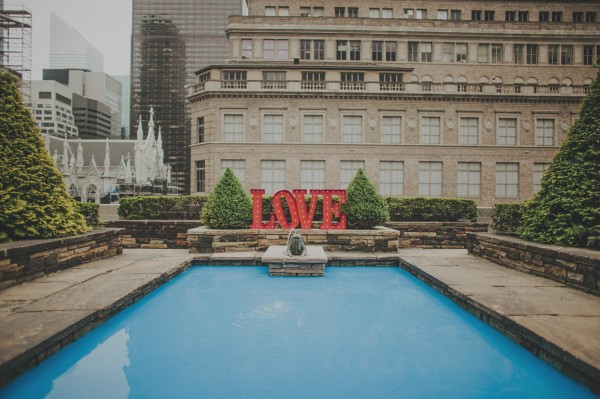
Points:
(228, 206)
(566, 210)
(34, 200)
(364, 207)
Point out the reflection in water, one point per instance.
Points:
(105, 364)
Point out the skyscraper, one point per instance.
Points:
(68, 49)
(170, 41)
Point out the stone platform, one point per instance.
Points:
(280, 264)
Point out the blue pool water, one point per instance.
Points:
(235, 332)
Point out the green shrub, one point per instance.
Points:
(228, 206)
(404, 209)
(506, 218)
(566, 210)
(186, 207)
(364, 207)
(89, 210)
(33, 197)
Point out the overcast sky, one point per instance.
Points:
(106, 24)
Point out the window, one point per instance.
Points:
(507, 180)
(312, 175)
(272, 176)
(523, 16)
(497, 57)
(590, 16)
(391, 130)
(566, 55)
(506, 133)
(273, 128)
(430, 179)
(348, 170)
(234, 80)
(454, 52)
(390, 51)
(373, 12)
(544, 132)
(201, 176)
(390, 82)
(409, 13)
(430, 130)
(419, 51)
(237, 166)
(391, 178)
(538, 172)
(519, 53)
(544, 16)
(341, 49)
(455, 15)
(476, 15)
(468, 179)
(275, 49)
(442, 14)
(376, 50)
(590, 54)
(489, 15)
(556, 16)
(339, 12)
(469, 131)
(355, 50)
(387, 13)
(233, 129)
(352, 81)
(304, 11)
(483, 53)
(352, 12)
(318, 47)
(246, 47)
(318, 12)
(200, 122)
(284, 11)
(270, 11)
(352, 129)
(553, 51)
(577, 16)
(421, 13)
(510, 16)
(313, 80)
(312, 129)
(273, 80)
(45, 95)
(532, 54)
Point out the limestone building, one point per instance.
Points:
(431, 98)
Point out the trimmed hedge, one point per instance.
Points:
(228, 205)
(364, 207)
(506, 218)
(186, 207)
(404, 209)
(89, 210)
(34, 202)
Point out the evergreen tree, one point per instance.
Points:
(33, 197)
(364, 207)
(228, 206)
(566, 210)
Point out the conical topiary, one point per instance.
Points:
(364, 207)
(33, 197)
(228, 206)
(566, 210)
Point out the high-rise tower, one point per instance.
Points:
(170, 41)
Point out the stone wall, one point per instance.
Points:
(435, 234)
(576, 267)
(202, 240)
(25, 260)
(157, 234)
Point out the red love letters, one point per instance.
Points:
(298, 213)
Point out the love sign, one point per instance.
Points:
(299, 215)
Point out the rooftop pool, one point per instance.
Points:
(235, 332)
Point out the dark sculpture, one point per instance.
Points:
(296, 246)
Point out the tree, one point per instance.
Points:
(228, 206)
(35, 201)
(566, 210)
(364, 207)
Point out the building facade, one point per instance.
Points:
(52, 108)
(431, 98)
(170, 41)
(68, 49)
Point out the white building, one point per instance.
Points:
(94, 169)
(68, 49)
(51, 106)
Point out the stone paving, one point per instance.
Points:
(559, 324)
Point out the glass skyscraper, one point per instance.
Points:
(171, 40)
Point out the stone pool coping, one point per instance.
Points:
(555, 322)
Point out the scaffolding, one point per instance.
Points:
(15, 46)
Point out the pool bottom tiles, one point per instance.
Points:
(235, 332)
